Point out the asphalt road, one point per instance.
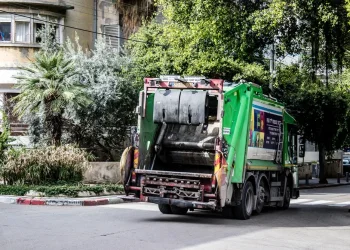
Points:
(319, 220)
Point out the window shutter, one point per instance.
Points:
(112, 34)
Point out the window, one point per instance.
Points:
(5, 28)
(25, 28)
(112, 34)
(36, 29)
(22, 29)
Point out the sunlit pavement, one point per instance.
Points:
(318, 220)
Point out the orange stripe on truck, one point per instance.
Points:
(136, 158)
(217, 165)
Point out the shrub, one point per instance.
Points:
(45, 165)
(4, 137)
(56, 190)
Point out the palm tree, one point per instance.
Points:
(49, 84)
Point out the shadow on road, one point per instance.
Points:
(295, 216)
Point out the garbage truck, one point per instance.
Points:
(214, 145)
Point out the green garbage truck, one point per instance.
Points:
(210, 144)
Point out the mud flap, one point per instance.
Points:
(126, 167)
(221, 180)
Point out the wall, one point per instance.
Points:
(102, 173)
(333, 168)
(305, 170)
(82, 17)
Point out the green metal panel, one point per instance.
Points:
(237, 109)
(147, 134)
(237, 112)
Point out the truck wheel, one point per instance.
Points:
(245, 209)
(286, 202)
(227, 212)
(164, 209)
(179, 210)
(260, 200)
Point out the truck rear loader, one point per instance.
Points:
(210, 144)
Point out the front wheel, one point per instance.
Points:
(245, 209)
(286, 201)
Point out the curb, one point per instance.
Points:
(323, 185)
(65, 202)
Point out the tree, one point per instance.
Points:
(322, 112)
(102, 125)
(317, 30)
(211, 38)
(47, 89)
(5, 138)
(132, 13)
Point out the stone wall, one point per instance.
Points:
(304, 170)
(333, 168)
(103, 173)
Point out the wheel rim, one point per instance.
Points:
(249, 201)
(261, 198)
(261, 194)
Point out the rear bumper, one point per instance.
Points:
(180, 203)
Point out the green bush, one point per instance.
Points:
(45, 165)
(55, 190)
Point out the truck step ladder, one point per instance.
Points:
(279, 150)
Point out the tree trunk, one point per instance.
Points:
(57, 123)
(322, 161)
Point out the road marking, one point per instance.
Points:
(299, 201)
(320, 202)
(341, 204)
(134, 206)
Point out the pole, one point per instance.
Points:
(95, 24)
(272, 65)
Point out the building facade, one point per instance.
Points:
(20, 22)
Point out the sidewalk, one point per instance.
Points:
(60, 201)
(313, 183)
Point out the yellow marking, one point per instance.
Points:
(136, 158)
(263, 167)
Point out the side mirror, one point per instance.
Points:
(301, 147)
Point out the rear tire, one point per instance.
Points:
(286, 202)
(227, 212)
(245, 209)
(179, 210)
(164, 209)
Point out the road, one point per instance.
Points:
(319, 220)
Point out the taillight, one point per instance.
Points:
(133, 177)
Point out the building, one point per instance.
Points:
(19, 23)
